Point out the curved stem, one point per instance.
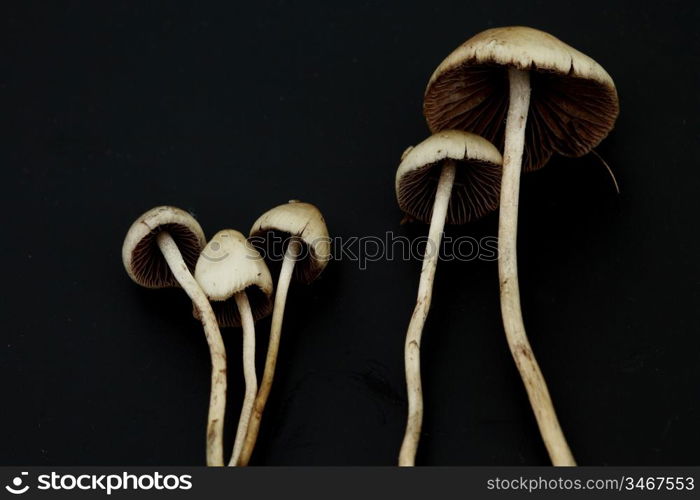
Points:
(251, 380)
(407, 455)
(285, 278)
(518, 343)
(217, 351)
(607, 167)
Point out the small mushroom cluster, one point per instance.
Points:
(230, 285)
(531, 95)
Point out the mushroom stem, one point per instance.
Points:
(407, 455)
(518, 343)
(285, 278)
(217, 351)
(251, 380)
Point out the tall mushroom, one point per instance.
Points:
(236, 280)
(554, 99)
(305, 257)
(159, 251)
(451, 177)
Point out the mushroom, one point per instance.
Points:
(306, 256)
(490, 86)
(159, 251)
(238, 284)
(451, 177)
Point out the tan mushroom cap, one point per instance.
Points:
(230, 264)
(141, 256)
(304, 221)
(573, 103)
(477, 178)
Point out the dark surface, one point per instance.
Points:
(228, 112)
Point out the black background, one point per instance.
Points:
(229, 110)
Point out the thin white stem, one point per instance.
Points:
(518, 343)
(251, 379)
(217, 351)
(285, 278)
(607, 167)
(407, 455)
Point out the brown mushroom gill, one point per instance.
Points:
(576, 112)
(228, 315)
(151, 267)
(475, 187)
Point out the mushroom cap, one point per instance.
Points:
(306, 222)
(477, 182)
(573, 101)
(230, 264)
(143, 260)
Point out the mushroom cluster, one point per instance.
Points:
(531, 95)
(230, 286)
(503, 102)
